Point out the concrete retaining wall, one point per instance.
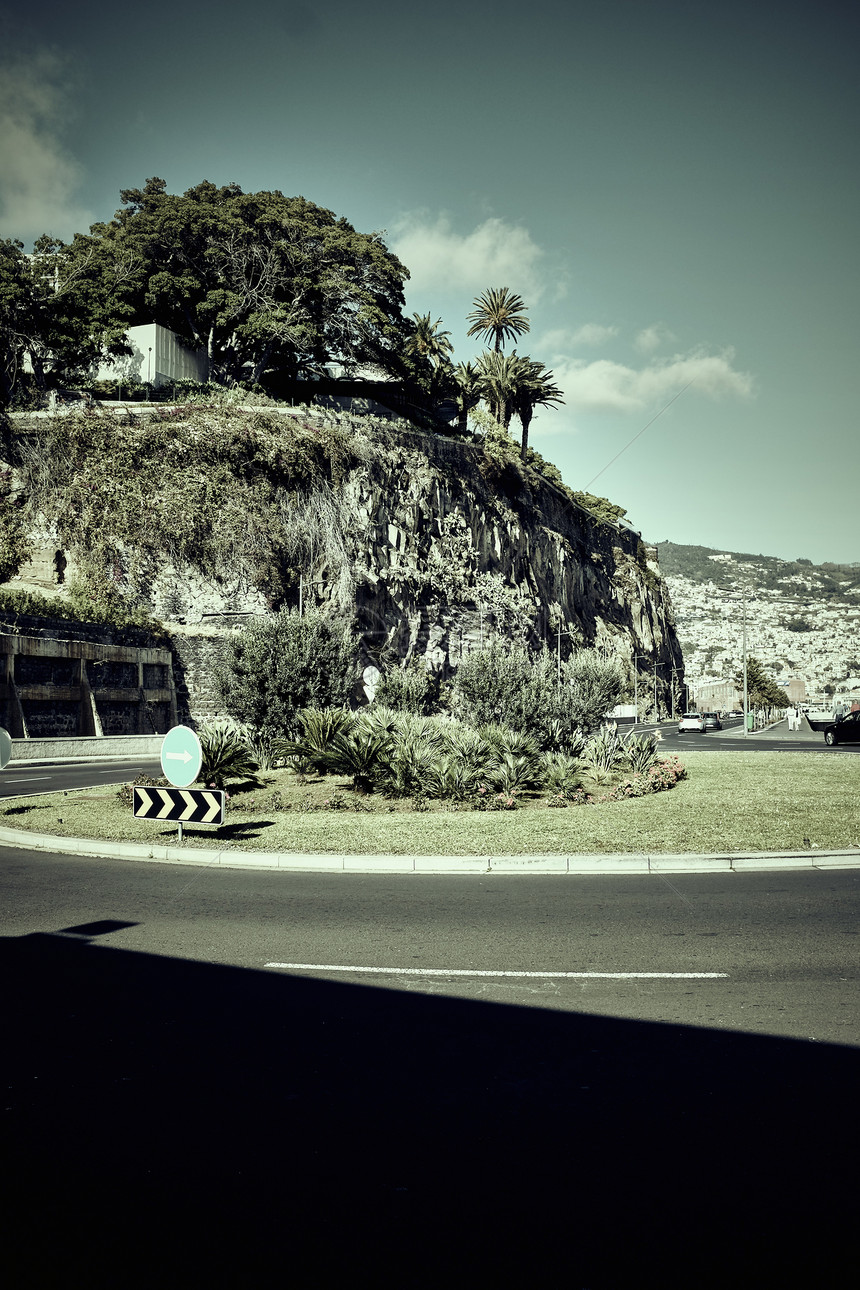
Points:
(74, 748)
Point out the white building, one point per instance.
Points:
(158, 357)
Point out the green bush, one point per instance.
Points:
(603, 752)
(409, 688)
(282, 664)
(15, 546)
(640, 752)
(225, 756)
(505, 683)
(562, 774)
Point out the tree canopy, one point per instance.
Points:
(762, 690)
(258, 280)
(498, 315)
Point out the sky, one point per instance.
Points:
(671, 187)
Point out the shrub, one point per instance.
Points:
(317, 728)
(640, 752)
(15, 546)
(562, 774)
(225, 756)
(410, 688)
(603, 752)
(505, 683)
(284, 663)
(360, 753)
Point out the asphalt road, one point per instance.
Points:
(732, 739)
(18, 779)
(175, 1108)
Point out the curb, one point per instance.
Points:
(323, 862)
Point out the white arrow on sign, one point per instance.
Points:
(184, 756)
(214, 807)
(168, 803)
(147, 800)
(190, 805)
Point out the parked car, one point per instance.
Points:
(712, 721)
(846, 730)
(692, 722)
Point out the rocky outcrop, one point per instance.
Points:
(435, 544)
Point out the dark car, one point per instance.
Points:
(712, 721)
(844, 731)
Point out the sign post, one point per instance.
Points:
(5, 747)
(181, 759)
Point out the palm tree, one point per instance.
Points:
(500, 375)
(499, 315)
(470, 390)
(533, 388)
(428, 341)
(432, 348)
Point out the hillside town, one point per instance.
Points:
(802, 624)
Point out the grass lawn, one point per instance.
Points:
(731, 802)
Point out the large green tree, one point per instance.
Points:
(61, 309)
(278, 665)
(258, 281)
(429, 348)
(468, 392)
(762, 690)
(500, 375)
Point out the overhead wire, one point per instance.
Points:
(641, 432)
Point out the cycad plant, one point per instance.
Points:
(317, 728)
(561, 773)
(225, 756)
(360, 753)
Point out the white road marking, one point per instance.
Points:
(611, 976)
(25, 779)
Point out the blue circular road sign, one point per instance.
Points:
(181, 756)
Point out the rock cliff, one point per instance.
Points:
(434, 543)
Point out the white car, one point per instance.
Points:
(692, 721)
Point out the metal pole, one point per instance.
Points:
(746, 687)
(180, 830)
(301, 594)
(656, 713)
(635, 693)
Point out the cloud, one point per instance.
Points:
(651, 338)
(38, 177)
(606, 386)
(556, 342)
(494, 254)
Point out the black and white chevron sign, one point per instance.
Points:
(188, 805)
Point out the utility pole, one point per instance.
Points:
(746, 687)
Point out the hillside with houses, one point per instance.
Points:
(802, 621)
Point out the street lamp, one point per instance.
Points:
(636, 658)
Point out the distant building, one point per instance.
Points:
(796, 689)
(158, 358)
(716, 696)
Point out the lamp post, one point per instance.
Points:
(636, 658)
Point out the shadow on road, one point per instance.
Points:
(182, 1123)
